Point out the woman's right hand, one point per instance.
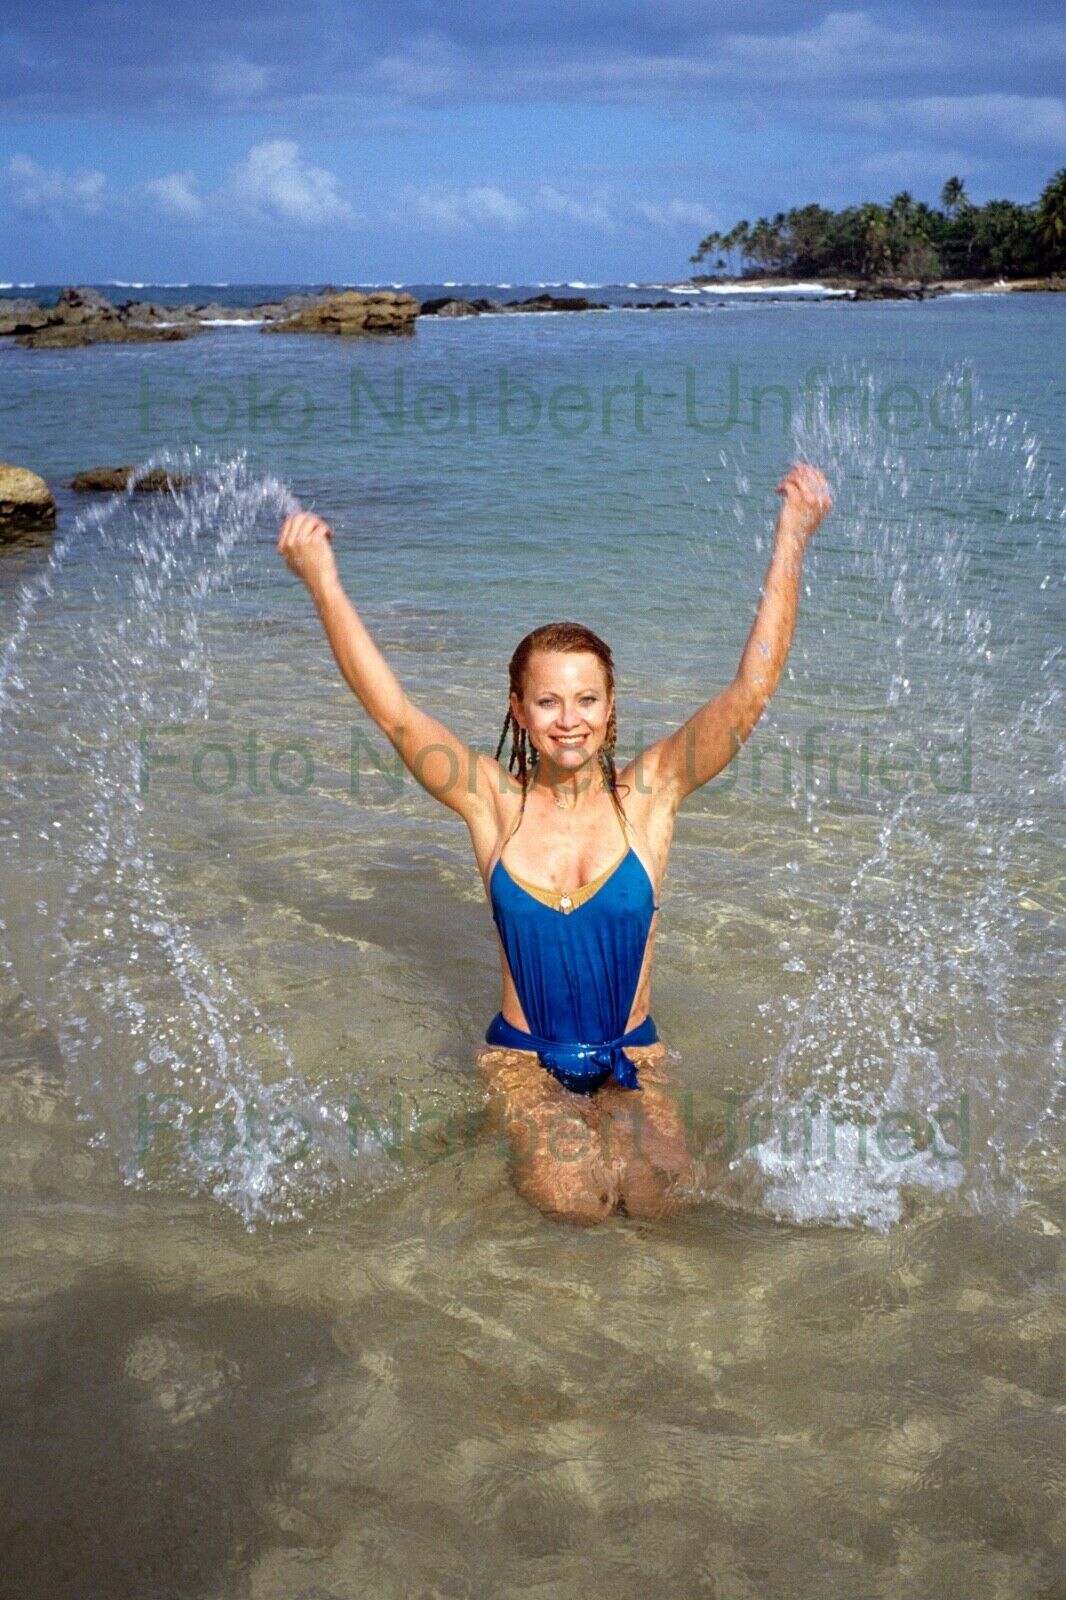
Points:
(305, 545)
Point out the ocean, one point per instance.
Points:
(264, 1274)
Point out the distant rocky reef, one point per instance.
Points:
(83, 316)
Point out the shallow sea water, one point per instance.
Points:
(274, 1321)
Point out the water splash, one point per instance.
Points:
(176, 1070)
(935, 1000)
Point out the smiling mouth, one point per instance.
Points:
(571, 739)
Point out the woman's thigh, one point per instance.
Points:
(659, 1169)
(554, 1138)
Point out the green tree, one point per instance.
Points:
(907, 236)
(738, 238)
(874, 236)
(1051, 221)
(959, 238)
(704, 248)
(810, 240)
(953, 196)
(1006, 241)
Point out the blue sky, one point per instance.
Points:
(427, 142)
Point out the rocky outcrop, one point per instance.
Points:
(213, 312)
(58, 336)
(352, 314)
(147, 313)
(21, 316)
(274, 310)
(76, 305)
(445, 307)
(19, 307)
(895, 289)
(80, 316)
(116, 480)
(27, 505)
(554, 302)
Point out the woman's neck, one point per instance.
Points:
(570, 791)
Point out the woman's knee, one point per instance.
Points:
(586, 1197)
(560, 1166)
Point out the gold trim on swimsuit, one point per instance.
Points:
(562, 900)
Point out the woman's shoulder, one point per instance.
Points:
(640, 789)
(493, 825)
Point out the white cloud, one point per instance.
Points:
(273, 182)
(430, 66)
(176, 194)
(237, 78)
(37, 188)
(921, 171)
(1015, 118)
(840, 44)
(1022, 119)
(594, 214)
(675, 214)
(452, 208)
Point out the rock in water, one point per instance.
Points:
(445, 307)
(75, 305)
(21, 315)
(351, 313)
(83, 316)
(114, 480)
(555, 302)
(220, 313)
(26, 502)
(97, 330)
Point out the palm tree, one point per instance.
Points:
(760, 243)
(737, 236)
(1051, 220)
(705, 246)
(957, 204)
(906, 235)
(874, 237)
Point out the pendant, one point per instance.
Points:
(565, 903)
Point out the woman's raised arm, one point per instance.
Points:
(711, 737)
(446, 768)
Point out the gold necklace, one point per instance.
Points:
(568, 805)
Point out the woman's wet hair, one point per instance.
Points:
(570, 637)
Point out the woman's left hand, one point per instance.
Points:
(807, 500)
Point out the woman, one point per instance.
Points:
(574, 1066)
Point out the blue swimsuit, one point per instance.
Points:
(576, 971)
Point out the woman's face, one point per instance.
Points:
(565, 706)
